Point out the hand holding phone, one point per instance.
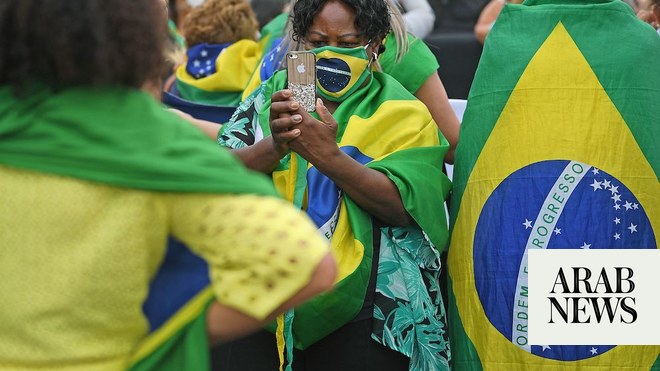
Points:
(301, 74)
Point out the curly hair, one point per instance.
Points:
(219, 22)
(70, 43)
(371, 17)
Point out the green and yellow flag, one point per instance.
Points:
(385, 128)
(565, 90)
(217, 73)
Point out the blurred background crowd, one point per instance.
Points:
(455, 30)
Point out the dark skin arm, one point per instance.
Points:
(432, 93)
(370, 189)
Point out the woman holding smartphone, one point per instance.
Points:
(366, 166)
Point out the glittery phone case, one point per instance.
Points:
(301, 74)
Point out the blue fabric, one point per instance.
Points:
(181, 277)
(622, 224)
(201, 59)
(323, 197)
(217, 114)
(272, 60)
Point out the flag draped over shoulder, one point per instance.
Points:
(139, 146)
(385, 128)
(217, 74)
(566, 101)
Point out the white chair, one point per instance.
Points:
(458, 105)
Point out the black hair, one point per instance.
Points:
(67, 43)
(371, 17)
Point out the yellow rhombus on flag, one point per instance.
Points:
(566, 99)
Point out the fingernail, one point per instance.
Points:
(296, 118)
(287, 93)
(295, 132)
(319, 101)
(295, 105)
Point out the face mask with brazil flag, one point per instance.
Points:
(340, 71)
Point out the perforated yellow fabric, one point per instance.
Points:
(269, 249)
(77, 258)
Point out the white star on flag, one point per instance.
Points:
(596, 185)
(617, 236)
(545, 347)
(595, 171)
(617, 207)
(208, 62)
(617, 221)
(527, 224)
(628, 205)
(606, 184)
(614, 189)
(593, 350)
(635, 206)
(204, 53)
(616, 197)
(585, 246)
(633, 228)
(557, 231)
(196, 63)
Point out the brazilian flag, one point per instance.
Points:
(216, 74)
(564, 90)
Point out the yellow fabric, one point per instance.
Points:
(281, 342)
(544, 81)
(234, 67)
(368, 132)
(77, 259)
(185, 315)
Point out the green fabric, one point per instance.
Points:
(414, 68)
(188, 349)
(602, 31)
(216, 98)
(423, 196)
(457, 339)
(272, 30)
(540, 17)
(119, 137)
(176, 37)
(656, 365)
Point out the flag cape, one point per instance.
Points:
(271, 53)
(124, 138)
(272, 31)
(383, 127)
(562, 94)
(231, 69)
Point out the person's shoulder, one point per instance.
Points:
(391, 88)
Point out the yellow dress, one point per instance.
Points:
(77, 259)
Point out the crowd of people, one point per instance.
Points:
(281, 238)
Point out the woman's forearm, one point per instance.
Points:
(224, 323)
(372, 190)
(262, 156)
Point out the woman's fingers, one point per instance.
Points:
(283, 124)
(281, 95)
